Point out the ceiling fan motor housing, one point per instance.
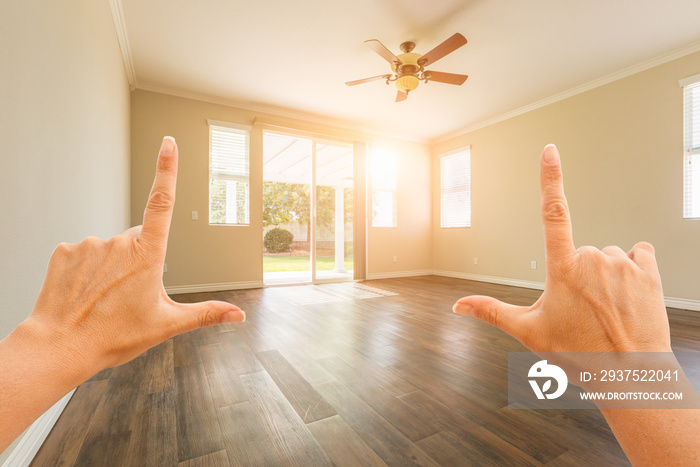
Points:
(407, 73)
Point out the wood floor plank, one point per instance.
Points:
(480, 439)
(352, 366)
(255, 340)
(449, 449)
(205, 336)
(308, 404)
(160, 367)
(342, 444)
(224, 383)
(382, 437)
(597, 437)
(247, 442)
(102, 375)
(161, 431)
(116, 414)
(292, 440)
(63, 443)
(576, 458)
(198, 431)
(307, 367)
(239, 354)
(399, 414)
(215, 459)
(106, 449)
(517, 433)
(185, 350)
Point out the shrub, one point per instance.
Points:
(278, 240)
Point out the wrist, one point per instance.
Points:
(47, 351)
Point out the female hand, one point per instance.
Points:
(103, 302)
(600, 301)
(593, 300)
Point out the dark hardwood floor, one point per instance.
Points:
(332, 374)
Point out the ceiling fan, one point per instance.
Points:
(408, 68)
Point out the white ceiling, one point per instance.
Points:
(296, 55)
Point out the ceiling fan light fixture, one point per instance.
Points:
(407, 83)
(409, 68)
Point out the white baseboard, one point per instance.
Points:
(29, 445)
(391, 275)
(671, 302)
(682, 303)
(491, 279)
(213, 287)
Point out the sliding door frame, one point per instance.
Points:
(315, 138)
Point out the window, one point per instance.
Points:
(229, 191)
(691, 147)
(455, 189)
(383, 189)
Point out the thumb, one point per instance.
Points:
(506, 317)
(190, 316)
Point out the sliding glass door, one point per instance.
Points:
(334, 191)
(307, 209)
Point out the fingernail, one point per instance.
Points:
(168, 146)
(551, 155)
(462, 308)
(233, 317)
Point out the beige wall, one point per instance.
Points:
(621, 147)
(202, 255)
(410, 240)
(64, 139)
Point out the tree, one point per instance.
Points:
(218, 198)
(217, 195)
(290, 202)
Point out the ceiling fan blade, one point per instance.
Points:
(385, 53)
(367, 80)
(447, 78)
(447, 47)
(401, 96)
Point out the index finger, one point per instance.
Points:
(558, 238)
(159, 209)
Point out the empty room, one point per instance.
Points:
(383, 232)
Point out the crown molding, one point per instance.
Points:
(277, 112)
(120, 26)
(624, 73)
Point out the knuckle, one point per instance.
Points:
(62, 248)
(118, 241)
(160, 201)
(644, 246)
(207, 318)
(90, 244)
(493, 317)
(166, 164)
(555, 211)
(120, 245)
(588, 250)
(552, 175)
(612, 250)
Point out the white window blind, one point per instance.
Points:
(455, 189)
(691, 147)
(384, 175)
(229, 162)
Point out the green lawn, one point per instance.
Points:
(275, 263)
